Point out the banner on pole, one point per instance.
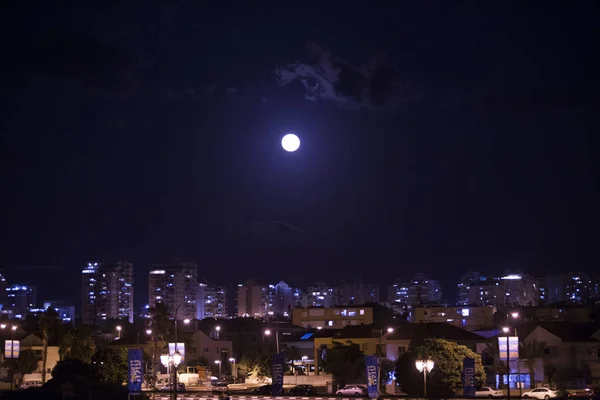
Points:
(180, 347)
(12, 348)
(277, 374)
(468, 377)
(372, 365)
(508, 346)
(135, 364)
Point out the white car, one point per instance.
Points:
(540, 393)
(488, 392)
(352, 390)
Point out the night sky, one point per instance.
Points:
(437, 137)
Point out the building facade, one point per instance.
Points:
(357, 293)
(469, 318)
(253, 300)
(502, 291)
(107, 292)
(19, 299)
(571, 288)
(320, 295)
(211, 301)
(175, 286)
(332, 318)
(420, 291)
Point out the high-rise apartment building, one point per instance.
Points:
(175, 286)
(107, 292)
(3, 293)
(418, 292)
(211, 301)
(20, 298)
(502, 291)
(357, 293)
(254, 300)
(320, 295)
(573, 288)
(283, 299)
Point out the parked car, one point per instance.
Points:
(352, 390)
(489, 392)
(168, 387)
(541, 393)
(220, 387)
(585, 393)
(303, 390)
(30, 384)
(267, 390)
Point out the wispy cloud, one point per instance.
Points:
(376, 84)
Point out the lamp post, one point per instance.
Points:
(424, 366)
(268, 333)
(172, 362)
(379, 356)
(505, 330)
(219, 363)
(233, 370)
(12, 346)
(217, 331)
(119, 330)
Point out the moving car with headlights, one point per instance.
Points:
(541, 393)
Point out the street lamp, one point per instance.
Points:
(515, 315)
(380, 354)
(219, 363)
(119, 330)
(424, 366)
(268, 333)
(233, 370)
(218, 331)
(149, 332)
(505, 330)
(172, 362)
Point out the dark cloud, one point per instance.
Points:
(376, 84)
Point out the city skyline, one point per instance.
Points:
(178, 285)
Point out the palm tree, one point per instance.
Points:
(531, 351)
(498, 366)
(48, 326)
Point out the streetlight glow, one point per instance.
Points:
(505, 329)
(3, 326)
(267, 332)
(14, 327)
(186, 321)
(217, 328)
(515, 315)
(390, 330)
(232, 360)
(149, 332)
(119, 327)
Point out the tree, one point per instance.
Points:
(386, 367)
(530, 352)
(48, 326)
(27, 362)
(345, 362)
(446, 377)
(111, 365)
(498, 366)
(255, 365)
(160, 323)
(77, 343)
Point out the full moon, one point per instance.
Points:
(290, 142)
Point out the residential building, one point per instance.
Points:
(423, 291)
(203, 346)
(253, 300)
(175, 286)
(469, 318)
(356, 292)
(571, 314)
(3, 298)
(373, 341)
(572, 288)
(107, 292)
(500, 291)
(332, 318)
(571, 348)
(283, 299)
(19, 299)
(320, 295)
(398, 297)
(211, 301)
(36, 344)
(65, 313)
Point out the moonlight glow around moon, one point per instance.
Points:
(290, 142)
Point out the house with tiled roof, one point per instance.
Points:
(392, 343)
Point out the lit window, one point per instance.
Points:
(465, 312)
(362, 312)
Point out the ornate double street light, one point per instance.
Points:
(424, 366)
(172, 362)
